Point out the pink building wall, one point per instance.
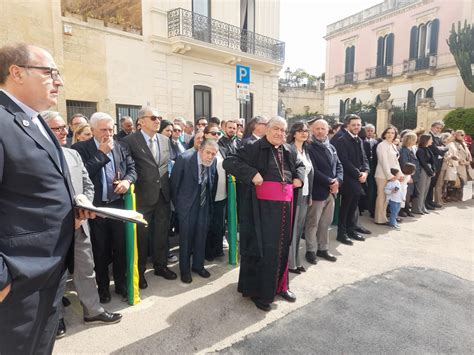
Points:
(447, 12)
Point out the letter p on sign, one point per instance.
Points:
(242, 74)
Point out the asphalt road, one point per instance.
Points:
(409, 310)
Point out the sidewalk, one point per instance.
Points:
(209, 315)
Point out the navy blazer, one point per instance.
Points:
(354, 161)
(184, 182)
(94, 160)
(326, 167)
(36, 208)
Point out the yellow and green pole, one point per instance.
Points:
(232, 219)
(131, 250)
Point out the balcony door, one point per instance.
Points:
(247, 26)
(202, 20)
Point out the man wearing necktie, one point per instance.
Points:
(193, 182)
(151, 152)
(37, 214)
(112, 171)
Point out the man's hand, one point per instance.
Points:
(122, 187)
(84, 214)
(297, 183)
(363, 177)
(257, 179)
(77, 223)
(4, 293)
(334, 186)
(106, 145)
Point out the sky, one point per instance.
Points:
(303, 25)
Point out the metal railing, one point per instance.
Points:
(186, 23)
(381, 71)
(348, 78)
(422, 63)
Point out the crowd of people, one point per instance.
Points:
(291, 182)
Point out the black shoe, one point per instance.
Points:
(437, 205)
(203, 273)
(186, 278)
(409, 214)
(356, 236)
(209, 258)
(288, 295)
(166, 273)
(301, 269)
(261, 305)
(61, 332)
(66, 302)
(326, 255)
(429, 207)
(294, 271)
(398, 219)
(362, 230)
(104, 318)
(104, 296)
(142, 284)
(402, 213)
(220, 254)
(311, 257)
(344, 239)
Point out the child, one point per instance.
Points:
(396, 195)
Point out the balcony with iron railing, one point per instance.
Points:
(346, 79)
(380, 71)
(188, 24)
(428, 63)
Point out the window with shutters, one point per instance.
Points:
(349, 65)
(384, 58)
(414, 98)
(202, 101)
(423, 46)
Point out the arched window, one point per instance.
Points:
(419, 95)
(424, 39)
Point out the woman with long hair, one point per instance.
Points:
(298, 139)
(407, 155)
(427, 171)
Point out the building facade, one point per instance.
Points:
(399, 46)
(182, 61)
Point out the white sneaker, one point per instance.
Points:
(225, 245)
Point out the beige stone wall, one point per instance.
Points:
(301, 101)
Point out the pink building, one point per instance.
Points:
(398, 45)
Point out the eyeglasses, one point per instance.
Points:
(53, 72)
(177, 130)
(153, 118)
(59, 129)
(215, 133)
(240, 125)
(303, 131)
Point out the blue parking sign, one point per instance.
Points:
(242, 74)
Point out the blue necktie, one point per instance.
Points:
(203, 185)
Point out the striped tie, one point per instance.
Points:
(203, 185)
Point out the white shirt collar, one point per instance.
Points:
(147, 137)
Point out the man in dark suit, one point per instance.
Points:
(126, 127)
(356, 169)
(255, 129)
(229, 142)
(328, 177)
(37, 216)
(112, 171)
(438, 151)
(151, 152)
(192, 182)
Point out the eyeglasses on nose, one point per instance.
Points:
(177, 130)
(153, 118)
(53, 72)
(59, 129)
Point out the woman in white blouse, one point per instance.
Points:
(387, 158)
(298, 139)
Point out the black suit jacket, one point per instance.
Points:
(94, 160)
(36, 208)
(353, 159)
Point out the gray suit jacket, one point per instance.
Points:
(152, 177)
(81, 182)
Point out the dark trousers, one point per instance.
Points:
(29, 319)
(108, 246)
(429, 197)
(347, 214)
(154, 238)
(216, 229)
(193, 228)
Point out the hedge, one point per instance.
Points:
(461, 118)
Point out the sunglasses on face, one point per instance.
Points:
(153, 118)
(215, 133)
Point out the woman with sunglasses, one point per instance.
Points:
(298, 139)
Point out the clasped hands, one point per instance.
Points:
(257, 180)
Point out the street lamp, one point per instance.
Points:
(287, 75)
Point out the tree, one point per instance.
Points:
(461, 45)
(461, 118)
